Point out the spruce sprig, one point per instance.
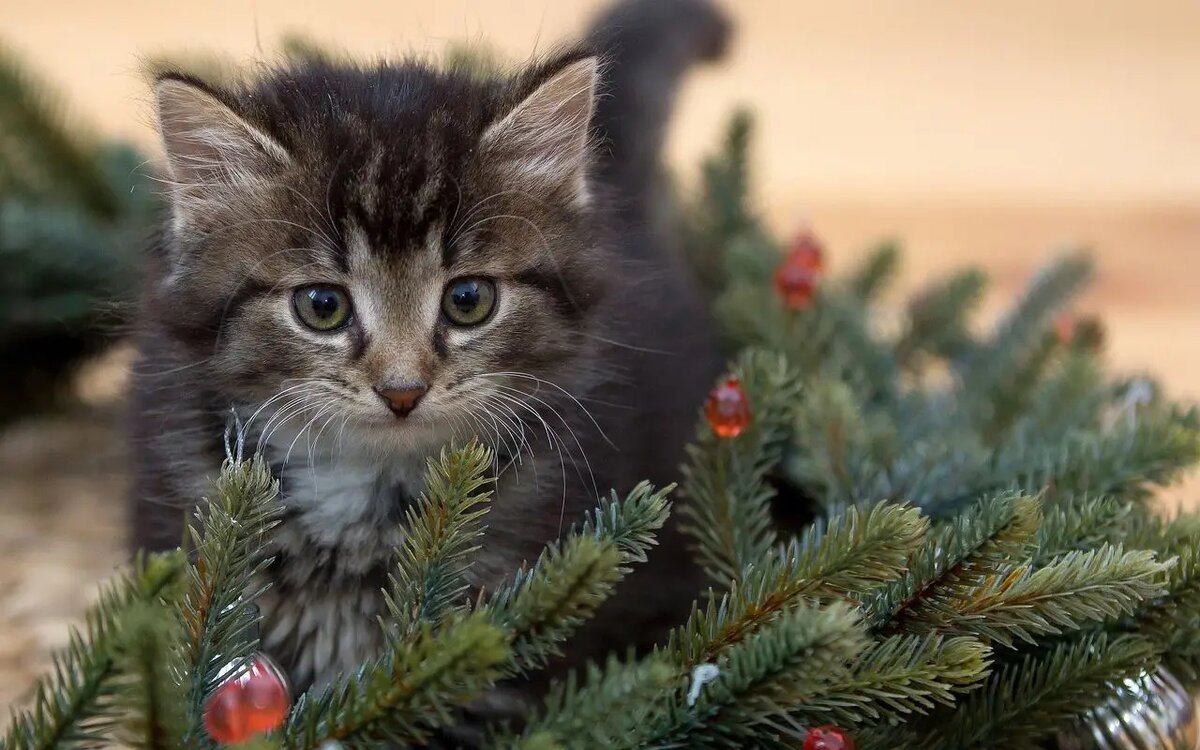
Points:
(1026, 701)
(1075, 589)
(404, 695)
(897, 677)
(782, 666)
(230, 536)
(724, 479)
(73, 706)
(986, 537)
(852, 554)
(614, 707)
(441, 532)
(150, 691)
(542, 605)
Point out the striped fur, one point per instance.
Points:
(390, 181)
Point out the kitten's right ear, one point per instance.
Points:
(208, 145)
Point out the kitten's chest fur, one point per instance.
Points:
(331, 555)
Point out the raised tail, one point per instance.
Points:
(647, 46)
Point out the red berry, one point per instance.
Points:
(806, 251)
(728, 409)
(254, 702)
(828, 738)
(795, 284)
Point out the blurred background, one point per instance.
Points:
(989, 133)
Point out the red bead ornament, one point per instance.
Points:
(795, 284)
(728, 409)
(828, 738)
(254, 702)
(806, 251)
(1064, 328)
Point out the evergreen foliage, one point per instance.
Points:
(74, 214)
(983, 561)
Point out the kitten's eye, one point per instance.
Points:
(322, 308)
(468, 301)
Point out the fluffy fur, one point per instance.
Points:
(390, 181)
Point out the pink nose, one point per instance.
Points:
(404, 399)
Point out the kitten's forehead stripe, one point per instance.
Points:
(369, 188)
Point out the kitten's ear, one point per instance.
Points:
(542, 144)
(209, 145)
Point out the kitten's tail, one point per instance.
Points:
(647, 45)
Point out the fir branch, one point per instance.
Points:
(1024, 325)
(851, 554)
(541, 606)
(937, 317)
(1027, 701)
(728, 510)
(39, 155)
(442, 530)
(780, 668)
(1010, 398)
(611, 707)
(1077, 588)
(841, 452)
(751, 318)
(149, 691)
(720, 216)
(987, 536)
(630, 524)
(847, 349)
(875, 271)
(1048, 408)
(73, 705)
(1125, 461)
(725, 182)
(229, 537)
(1078, 525)
(1172, 619)
(897, 677)
(403, 696)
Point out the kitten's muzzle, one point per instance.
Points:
(403, 399)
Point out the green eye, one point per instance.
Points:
(469, 301)
(322, 308)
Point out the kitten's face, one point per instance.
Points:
(393, 268)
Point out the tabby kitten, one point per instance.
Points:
(364, 263)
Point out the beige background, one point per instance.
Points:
(990, 131)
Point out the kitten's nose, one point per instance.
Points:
(403, 399)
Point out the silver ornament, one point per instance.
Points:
(1151, 712)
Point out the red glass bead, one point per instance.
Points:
(728, 409)
(807, 252)
(254, 702)
(1064, 328)
(828, 738)
(795, 284)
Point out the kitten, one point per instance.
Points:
(363, 263)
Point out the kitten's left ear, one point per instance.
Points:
(210, 148)
(542, 145)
